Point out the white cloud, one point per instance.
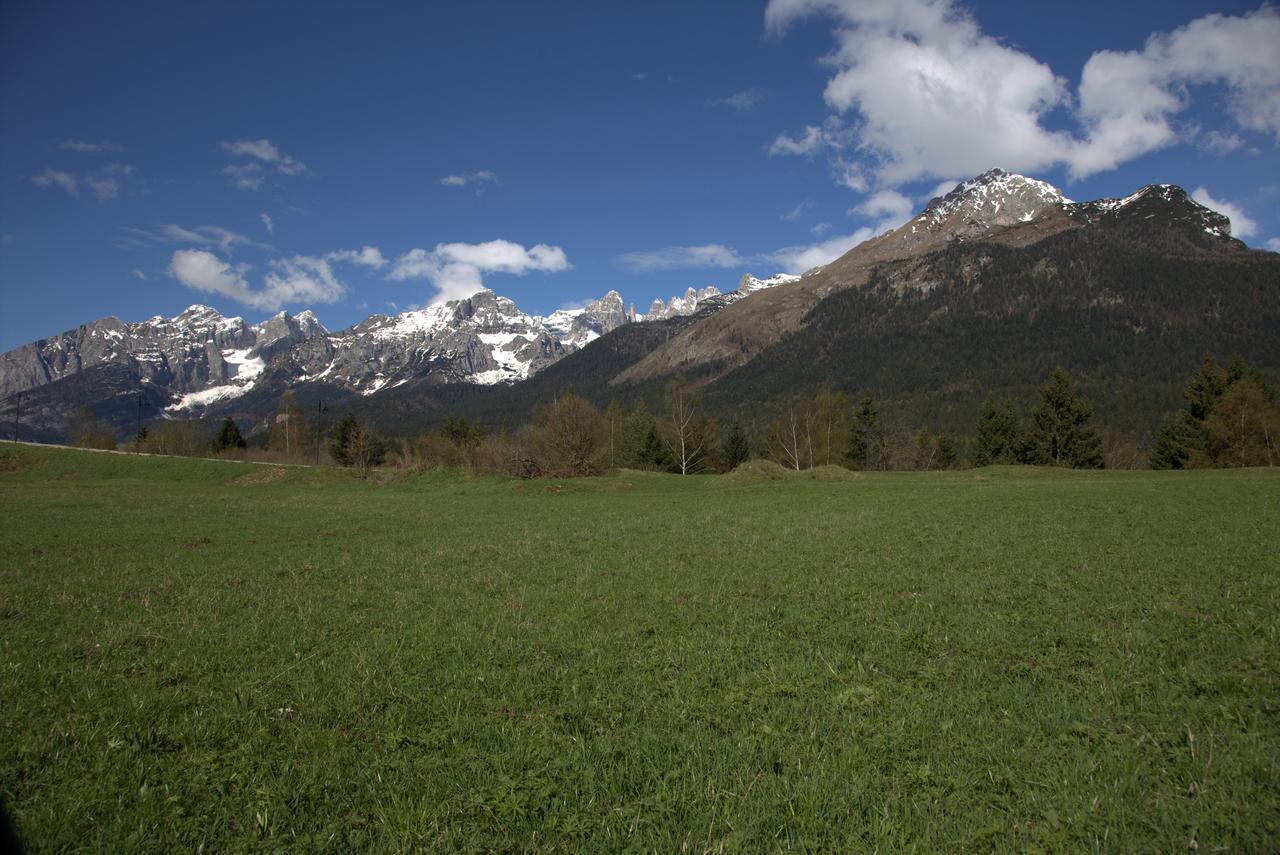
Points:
(105, 184)
(366, 256)
(65, 180)
(457, 269)
(930, 94)
(798, 259)
(103, 187)
(1274, 244)
(820, 229)
(679, 258)
(245, 176)
(1242, 225)
(249, 176)
(138, 274)
(89, 147)
(204, 271)
(797, 212)
(261, 149)
(268, 223)
(744, 101)
(942, 189)
(835, 140)
(1220, 143)
(479, 179)
(891, 207)
(223, 239)
(297, 280)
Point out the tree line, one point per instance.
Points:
(1231, 418)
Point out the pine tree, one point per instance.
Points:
(340, 442)
(996, 440)
(641, 447)
(1062, 432)
(1179, 437)
(228, 437)
(736, 448)
(1204, 388)
(944, 451)
(867, 448)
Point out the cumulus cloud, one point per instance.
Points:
(457, 270)
(296, 280)
(90, 147)
(744, 101)
(53, 178)
(891, 207)
(267, 223)
(930, 94)
(799, 259)
(475, 179)
(679, 258)
(1274, 244)
(262, 154)
(365, 256)
(1242, 225)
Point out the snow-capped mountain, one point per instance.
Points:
(200, 360)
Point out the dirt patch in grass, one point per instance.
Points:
(10, 464)
(265, 475)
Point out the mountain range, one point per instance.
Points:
(984, 291)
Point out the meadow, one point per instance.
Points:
(197, 654)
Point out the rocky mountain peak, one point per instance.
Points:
(994, 198)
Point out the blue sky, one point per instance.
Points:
(362, 158)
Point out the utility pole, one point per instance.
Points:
(137, 436)
(17, 415)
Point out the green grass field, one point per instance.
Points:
(198, 653)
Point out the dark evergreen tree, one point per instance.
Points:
(340, 441)
(1180, 436)
(944, 451)
(227, 438)
(997, 437)
(642, 446)
(867, 447)
(1204, 388)
(1061, 430)
(736, 447)
(465, 436)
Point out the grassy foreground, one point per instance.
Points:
(243, 657)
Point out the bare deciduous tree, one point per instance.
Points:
(686, 432)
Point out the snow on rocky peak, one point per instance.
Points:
(749, 284)
(994, 198)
